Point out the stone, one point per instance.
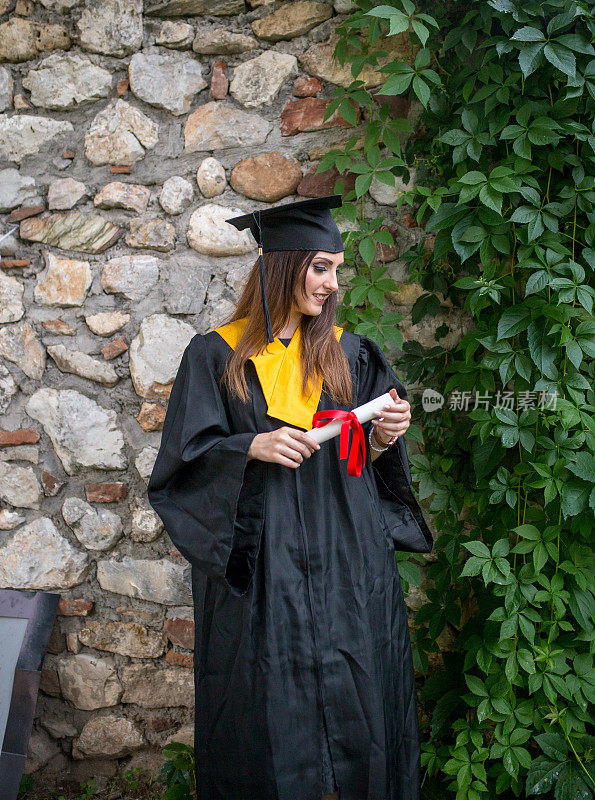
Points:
(110, 735)
(10, 519)
(117, 194)
(64, 281)
(176, 35)
(145, 461)
(114, 349)
(291, 20)
(95, 528)
(180, 632)
(74, 230)
(155, 354)
(37, 556)
(345, 6)
(51, 484)
(132, 276)
(182, 8)
(176, 195)
(256, 82)
(64, 81)
(83, 433)
(159, 581)
(23, 39)
(184, 735)
(20, 102)
(147, 686)
(19, 486)
(319, 60)
(19, 345)
(58, 728)
(106, 492)
(217, 126)
(74, 608)
(72, 643)
(20, 436)
(150, 77)
(60, 6)
(65, 193)
(57, 642)
(146, 525)
(219, 81)
(8, 388)
(179, 659)
(58, 327)
(41, 749)
(153, 234)
(267, 177)
(49, 684)
(220, 41)
(23, 135)
(151, 417)
(323, 183)
(307, 114)
(219, 305)
(15, 189)
(83, 365)
(28, 210)
(21, 452)
(89, 682)
(111, 27)
(106, 323)
(185, 285)
(209, 233)
(210, 177)
(11, 299)
(389, 195)
(6, 88)
(306, 87)
(120, 134)
(124, 638)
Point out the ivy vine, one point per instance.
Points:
(504, 199)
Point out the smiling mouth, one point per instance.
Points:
(320, 297)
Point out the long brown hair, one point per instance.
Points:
(322, 354)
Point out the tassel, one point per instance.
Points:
(263, 292)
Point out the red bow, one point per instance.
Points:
(357, 454)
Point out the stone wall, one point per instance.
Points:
(127, 137)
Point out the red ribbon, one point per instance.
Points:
(357, 454)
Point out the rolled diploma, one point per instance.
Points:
(364, 413)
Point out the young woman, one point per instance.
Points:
(303, 671)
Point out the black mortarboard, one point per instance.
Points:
(303, 225)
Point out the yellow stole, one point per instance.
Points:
(279, 371)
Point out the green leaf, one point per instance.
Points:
(513, 321)
(528, 34)
(478, 549)
(561, 57)
(422, 90)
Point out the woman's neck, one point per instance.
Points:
(291, 327)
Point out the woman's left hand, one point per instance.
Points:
(395, 419)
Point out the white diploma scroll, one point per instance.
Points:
(364, 413)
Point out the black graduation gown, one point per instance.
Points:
(302, 645)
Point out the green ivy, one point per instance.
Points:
(504, 197)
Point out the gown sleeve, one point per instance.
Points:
(392, 474)
(197, 485)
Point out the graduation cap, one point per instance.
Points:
(303, 225)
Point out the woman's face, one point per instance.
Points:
(321, 281)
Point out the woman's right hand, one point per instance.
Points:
(286, 446)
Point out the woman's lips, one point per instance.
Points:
(320, 300)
